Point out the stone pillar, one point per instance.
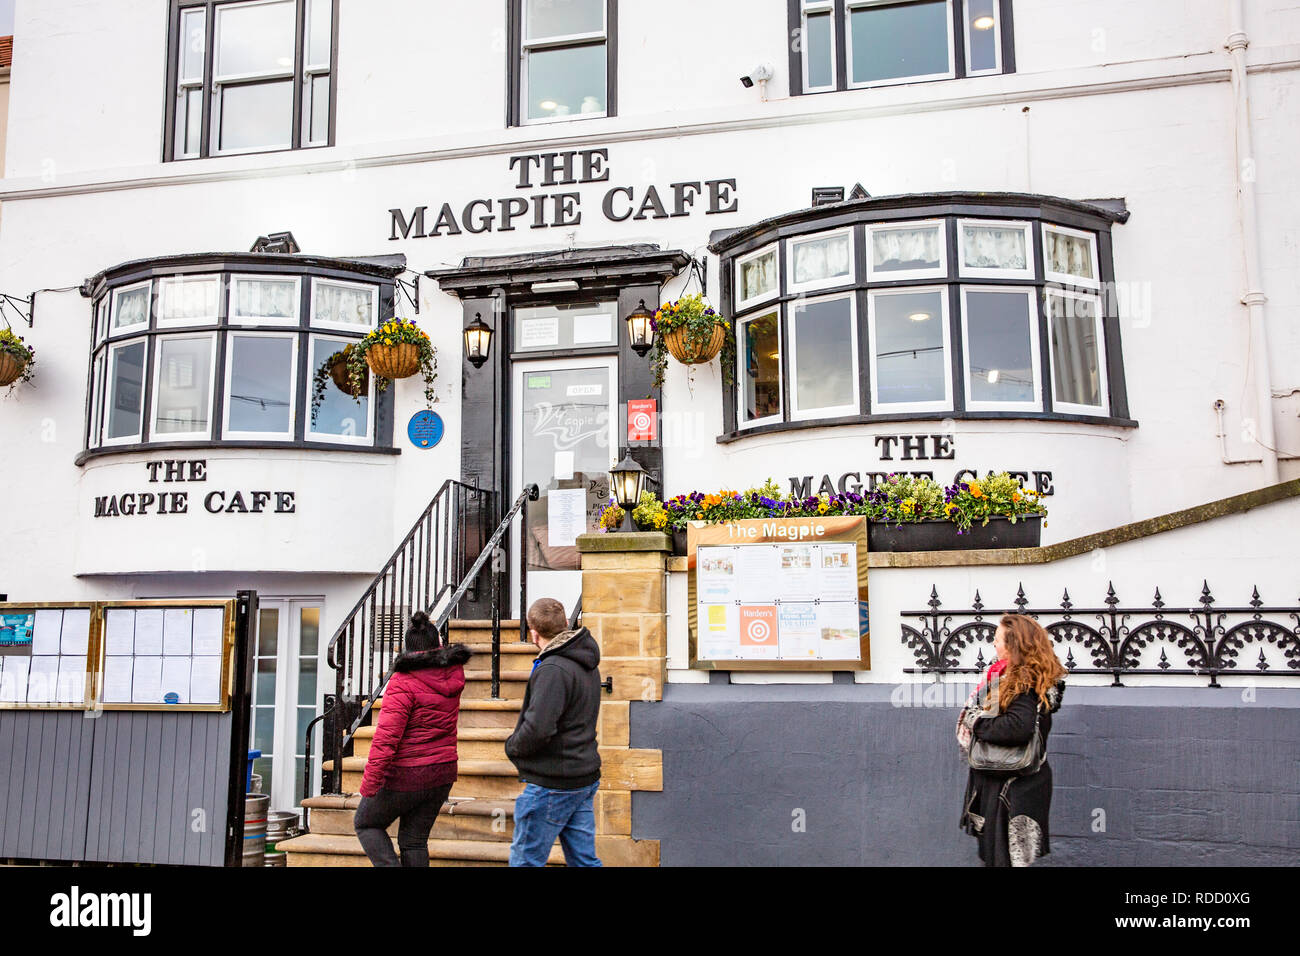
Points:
(624, 605)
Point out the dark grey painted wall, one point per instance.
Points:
(1185, 777)
(119, 787)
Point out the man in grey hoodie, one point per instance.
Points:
(554, 743)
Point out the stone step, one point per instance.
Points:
(478, 684)
(460, 819)
(472, 743)
(480, 712)
(482, 779)
(510, 650)
(313, 849)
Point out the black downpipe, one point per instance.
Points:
(241, 714)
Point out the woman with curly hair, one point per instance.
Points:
(1007, 812)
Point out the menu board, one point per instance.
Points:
(54, 672)
(156, 655)
(779, 592)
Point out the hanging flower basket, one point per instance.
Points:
(393, 361)
(17, 359)
(693, 333)
(397, 349)
(694, 352)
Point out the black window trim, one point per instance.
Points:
(172, 68)
(225, 266)
(515, 72)
(839, 40)
(952, 207)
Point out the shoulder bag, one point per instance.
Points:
(1009, 758)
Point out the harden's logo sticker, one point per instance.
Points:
(758, 626)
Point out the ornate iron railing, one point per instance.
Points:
(1206, 640)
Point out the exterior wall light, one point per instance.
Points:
(640, 329)
(478, 341)
(626, 482)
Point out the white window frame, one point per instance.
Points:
(851, 6)
(817, 7)
(226, 430)
(159, 340)
(1103, 381)
(238, 277)
(527, 45)
(883, 408)
(982, 272)
(941, 272)
(219, 80)
(110, 392)
(185, 85)
(98, 365)
(968, 25)
(165, 281)
(1065, 278)
(101, 319)
(147, 284)
(830, 282)
(1031, 314)
(309, 432)
(310, 73)
(741, 424)
(830, 411)
(775, 251)
(316, 323)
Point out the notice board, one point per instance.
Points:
(770, 594)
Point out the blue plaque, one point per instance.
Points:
(425, 429)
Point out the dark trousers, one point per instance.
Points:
(417, 811)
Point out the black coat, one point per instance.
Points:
(554, 743)
(1006, 812)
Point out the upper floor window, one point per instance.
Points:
(849, 44)
(965, 309)
(222, 351)
(249, 76)
(563, 58)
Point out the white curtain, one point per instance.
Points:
(905, 245)
(821, 258)
(994, 247)
(758, 276)
(1069, 255)
(342, 304)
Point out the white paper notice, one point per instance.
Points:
(42, 679)
(797, 575)
(13, 679)
(117, 680)
(758, 573)
(539, 333)
(72, 680)
(76, 632)
(589, 390)
(177, 626)
(799, 631)
(563, 465)
(119, 631)
(176, 679)
(205, 680)
(839, 572)
(838, 626)
(207, 630)
(149, 631)
(46, 638)
(146, 683)
(715, 578)
(566, 516)
(716, 625)
(588, 329)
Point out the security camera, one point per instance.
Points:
(760, 74)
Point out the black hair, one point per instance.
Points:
(421, 635)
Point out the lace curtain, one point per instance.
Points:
(188, 299)
(342, 304)
(264, 298)
(994, 247)
(132, 309)
(1069, 255)
(821, 259)
(758, 276)
(908, 248)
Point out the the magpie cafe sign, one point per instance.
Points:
(165, 499)
(548, 204)
(905, 454)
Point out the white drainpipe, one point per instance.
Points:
(1254, 297)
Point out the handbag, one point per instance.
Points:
(1009, 758)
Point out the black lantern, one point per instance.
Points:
(626, 482)
(640, 329)
(478, 341)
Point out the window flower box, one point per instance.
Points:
(939, 534)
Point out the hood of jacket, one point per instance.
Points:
(1054, 696)
(578, 645)
(448, 656)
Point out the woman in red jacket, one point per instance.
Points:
(412, 761)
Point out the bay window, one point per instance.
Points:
(853, 44)
(565, 55)
(249, 76)
(963, 305)
(233, 349)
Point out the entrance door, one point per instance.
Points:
(564, 439)
(286, 696)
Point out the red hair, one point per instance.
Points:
(1032, 664)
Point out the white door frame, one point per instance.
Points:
(569, 589)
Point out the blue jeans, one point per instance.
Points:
(542, 814)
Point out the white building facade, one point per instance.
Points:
(1097, 197)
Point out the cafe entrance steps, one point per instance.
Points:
(477, 821)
